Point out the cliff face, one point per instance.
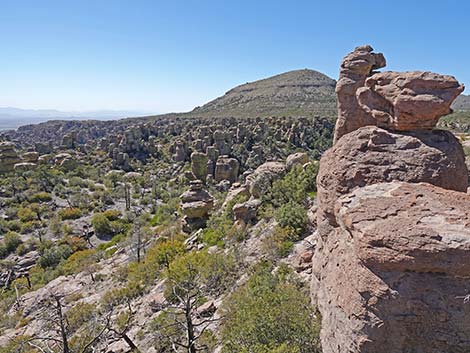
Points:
(391, 270)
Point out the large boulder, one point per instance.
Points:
(392, 277)
(295, 159)
(65, 161)
(30, 157)
(226, 168)
(390, 269)
(199, 165)
(196, 204)
(246, 211)
(25, 166)
(373, 155)
(355, 68)
(400, 101)
(261, 179)
(406, 101)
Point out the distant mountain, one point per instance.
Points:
(462, 103)
(294, 93)
(11, 118)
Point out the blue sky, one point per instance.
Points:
(163, 56)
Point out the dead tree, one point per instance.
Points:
(103, 329)
(127, 190)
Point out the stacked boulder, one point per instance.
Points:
(8, 157)
(30, 162)
(196, 204)
(391, 269)
(65, 161)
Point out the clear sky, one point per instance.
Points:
(163, 56)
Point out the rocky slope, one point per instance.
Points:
(301, 92)
(462, 103)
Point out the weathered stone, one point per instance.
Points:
(65, 161)
(226, 168)
(199, 165)
(392, 277)
(68, 141)
(45, 158)
(261, 179)
(25, 166)
(299, 158)
(406, 101)
(372, 155)
(196, 204)
(31, 157)
(8, 157)
(355, 68)
(246, 211)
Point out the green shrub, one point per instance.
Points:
(279, 244)
(293, 217)
(80, 261)
(70, 213)
(28, 227)
(52, 256)
(17, 344)
(271, 313)
(109, 223)
(215, 272)
(295, 186)
(79, 314)
(112, 215)
(101, 224)
(114, 241)
(158, 256)
(11, 241)
(164, 213)
(122, 295)
(41, 197)
(27, 215)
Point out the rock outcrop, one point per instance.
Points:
(356, 67)
(393, 275)
(391, 270)
(399, 101)
(299, 158)
(199, 165)
(372, 155)
(226, 168)
(8, 157)
(261, 179)
(407, 101)
(196, 204)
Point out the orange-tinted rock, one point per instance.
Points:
(393, 275)
(355, 68)
(406, 101)
(373, 155)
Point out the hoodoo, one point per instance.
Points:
(390, 269)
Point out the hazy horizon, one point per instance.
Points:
(172, 56)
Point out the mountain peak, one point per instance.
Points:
(297, 92)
